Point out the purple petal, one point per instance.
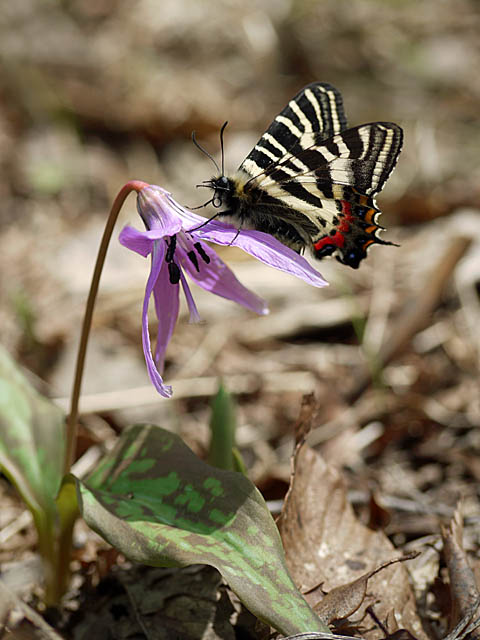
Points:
(166, 297)
(155, 377)
(192, 307)
(157, 212)
(190, 219)
(139, 241)
(265, 248)
(217, 278)
(260, 245)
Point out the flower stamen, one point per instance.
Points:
(173, 268)
(173, 273)
(171, 248)
(193, 259)
(202, 253)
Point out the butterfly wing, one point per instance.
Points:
(315, 114)
(321, 179)
(334, 185)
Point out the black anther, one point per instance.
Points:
(174, 272)
(193, 258)
(201, 252)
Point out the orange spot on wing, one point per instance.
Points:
(362, 199)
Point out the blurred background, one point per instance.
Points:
(97, 92)
(94, 93)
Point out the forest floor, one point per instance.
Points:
(381, 368)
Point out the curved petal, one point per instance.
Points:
(219, 279)
(157, 212)
(265, 248)
(261, 246)
(192, 307)
(140, 241)
(167, 301)
(155, 377)
(136, 240)
(190, 219)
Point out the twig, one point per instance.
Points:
(16, 525)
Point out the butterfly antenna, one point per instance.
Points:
(221, 146)
(209, 155)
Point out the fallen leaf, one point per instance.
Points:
(463, 587)
(342, 601)
(326, 544)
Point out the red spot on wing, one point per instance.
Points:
(338, 238)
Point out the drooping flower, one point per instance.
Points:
(175, 239)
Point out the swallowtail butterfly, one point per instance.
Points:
(310, 181)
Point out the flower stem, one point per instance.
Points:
(133, 185)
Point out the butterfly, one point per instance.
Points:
(310, 181)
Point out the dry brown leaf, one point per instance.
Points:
(463, 587)
(342, 601)
(304, 422)
(326, 544)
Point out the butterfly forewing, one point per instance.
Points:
(314, 114)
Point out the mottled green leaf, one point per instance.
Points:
(159, 504)
(31, 438)
(32, 449)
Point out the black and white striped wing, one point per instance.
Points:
(362, 158)
(311, 182)
(314, 115)
(331, 187)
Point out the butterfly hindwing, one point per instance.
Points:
(362, 157)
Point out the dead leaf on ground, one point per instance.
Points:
(342, 601)
(326, 545)
(463, 587)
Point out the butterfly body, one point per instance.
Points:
(249, 207)
(310, 181)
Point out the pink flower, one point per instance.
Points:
(174, 238)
